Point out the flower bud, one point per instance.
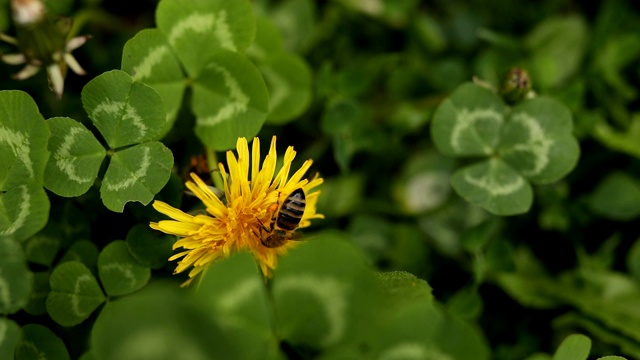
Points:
(516, 85)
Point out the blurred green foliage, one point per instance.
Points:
(412, 261)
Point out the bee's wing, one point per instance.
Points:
(299, 236)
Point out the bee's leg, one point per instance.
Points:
(274, 213)
(264, 227)
(274, 216)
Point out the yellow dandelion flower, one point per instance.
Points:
(253, 197)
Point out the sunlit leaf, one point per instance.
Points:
(601, 332)
(574, 347)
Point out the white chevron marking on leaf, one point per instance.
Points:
(330, 293)
(65, 161)
(280, 89)
(115, 108)
(413, 351)
(5, 293)
(466, 119)
(238, 103)
(75, 297)
(240, 293)
(145, 68)
(25, 206)
(139, 174)
(203, 23)
(537, 145)
(124, 269)
(20, 146)
(199, 23)
(496, 187)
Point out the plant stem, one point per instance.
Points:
(212, 163)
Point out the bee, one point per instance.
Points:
(285, 221)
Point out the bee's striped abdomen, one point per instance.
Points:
(291, 210)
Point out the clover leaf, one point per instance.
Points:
(529, 143)
(200, 43)
(74, 295)
(130, 115)
(76, 156)
(24, 206)
(197, 30)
